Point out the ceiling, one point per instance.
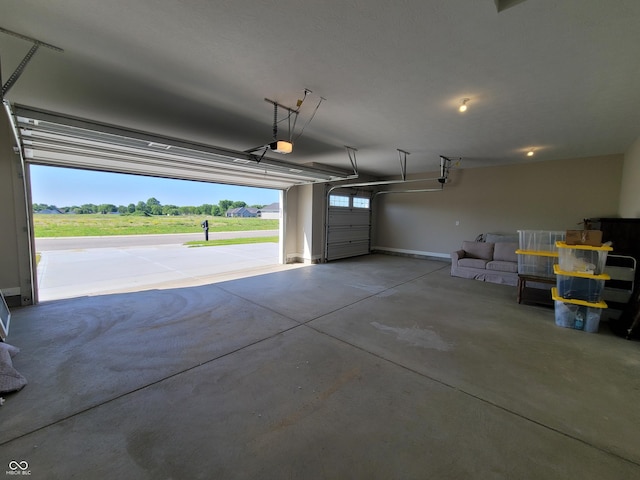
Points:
(559, 77)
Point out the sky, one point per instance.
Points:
(66, 187)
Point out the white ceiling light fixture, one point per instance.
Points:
(463, 107)
(530, 153)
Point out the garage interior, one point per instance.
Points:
(371, 361)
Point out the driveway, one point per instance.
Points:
(101, 265)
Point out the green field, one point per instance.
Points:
(69, 225)
(232, 241)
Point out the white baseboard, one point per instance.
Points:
(11, 292)
(412, 252)
(299, 258)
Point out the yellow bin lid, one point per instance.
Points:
(555, 296)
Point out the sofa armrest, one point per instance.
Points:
(457, 255)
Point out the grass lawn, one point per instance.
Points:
(69, 225)
(232, 241)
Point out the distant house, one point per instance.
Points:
(270, 211)
(244, 212)
(50, 211)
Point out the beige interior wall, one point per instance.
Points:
(630, 190)
(319, 216)
(554, 195)
(290, 225)
(305, 223)
(15, 242)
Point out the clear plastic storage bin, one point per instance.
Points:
(579, 285)
(576, 313)
(569, 315)
(579, 288)
(539, 266)
(540, 240)
(582, 258)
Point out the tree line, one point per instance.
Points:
(150, 207)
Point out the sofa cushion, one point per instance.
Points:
(502, 266)
(505, 252)
(472, 262)
(480, 250)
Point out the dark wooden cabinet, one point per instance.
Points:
(624, 233)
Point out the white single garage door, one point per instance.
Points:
(348, 225)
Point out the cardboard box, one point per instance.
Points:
(584, 237)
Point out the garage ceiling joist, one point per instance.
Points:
(53, 139)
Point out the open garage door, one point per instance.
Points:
(348, 225)
(51, 139)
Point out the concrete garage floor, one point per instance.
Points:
(377, 367)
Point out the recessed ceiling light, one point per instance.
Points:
(530, 153)
(463, 106)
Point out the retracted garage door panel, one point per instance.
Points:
(53, 139)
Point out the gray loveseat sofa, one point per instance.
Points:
(487, 261)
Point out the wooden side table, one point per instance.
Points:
(523, 279)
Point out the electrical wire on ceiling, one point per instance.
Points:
(310, 118)
(298, 106)
(296, 112)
